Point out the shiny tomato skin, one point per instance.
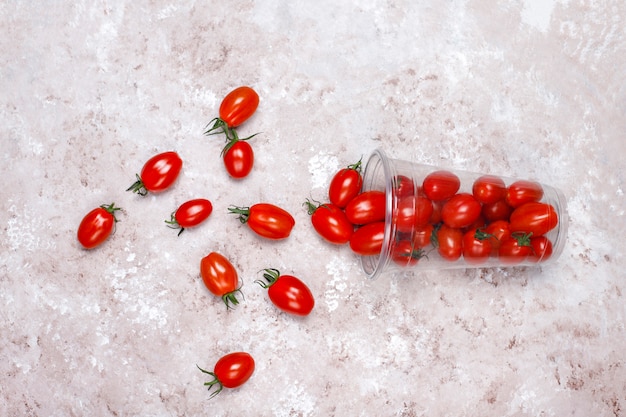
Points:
(368, 240)
(267, 220)
(522, 192)
(422, 236)
(161, 171)
(411, 212)
(345, 185)
(331, 223)
(291, 295)
(234, 369)
(512, 251)
(193, 212)
(404, 186)
(441, 185)
(404, 253)
(476, 247)
(238, 106)
(541, 249)
(367, 207)
(218, 274)
(488, 189)
(449, 243)
(96, 226)
(500, 210)
(460, 211)
(498, 231)
(535, 218)
(239, 159)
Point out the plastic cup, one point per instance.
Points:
(431, 221)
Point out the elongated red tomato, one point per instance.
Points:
(404, 186)
(266, 220)
(522, 192)
(535, 218)
(368, 239)
(441, 185)
(191, 213)
(515, 249)
(345, 185)
(541, 249)
(423, 236)
(367, 207)
(405, 253)
(476, 246)
(239, 159)
(238, 106)
(330, 222)
(97, 226)
(158, 174)
(412, 211)
(287, 292)
(230, 371)
(500, 210)
(449, 242)
(488, 189)
(460, 211)
(220, 277)
(498, 231)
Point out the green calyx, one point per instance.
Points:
(215, 382)
(173, 224)
(523, 239)
(111, 209)
(138, 187)
(271, 275)
(243, 212)
(356, 166)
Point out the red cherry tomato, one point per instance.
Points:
(499, 210)
(239, 159)
(423, 236)
(460, 211)
(541, 249)
(498, 232)
(266, 220)
(522, 192)
(411, 212)
(97, 226)
(230, 371)
(220, 277)
(535, 218)
(404, 186)
(287, 292)
(476, 246)
(441, 185)
(488, 189)
(158, 174)
(514, 249)
(238, 106)
(405, 253)
(191, 213)
(330, 222)
(435, 218)
(449, 242)
(368, 240)
(345, 185)
(367, 207)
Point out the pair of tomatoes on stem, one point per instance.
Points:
(236, 107)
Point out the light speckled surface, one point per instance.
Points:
(527, 89)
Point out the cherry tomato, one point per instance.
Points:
(541, 249)
(287, 292)
(345, 185)
(498, 232)
(220, 277)
(522, 192)
(535, 218)
(435, 218)
(238, 158)
(460, 211)
(368, 239)
(405, 253)
(230, 371)
(266, 220)
(238, 106)
(500, 210)
(488, 189)
(367, 207)
(423, 236)
(476, 246)
(411, 212)
(441, 185)
(191, 213)
(158, 174)
(515, 249)
(97, 226)
(404, 186)
(449, 242)
(330, 222)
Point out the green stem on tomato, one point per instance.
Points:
(173, 224)
(243, 212)
(138, 187)
(231, 298)
(214, 382)
(271, 275)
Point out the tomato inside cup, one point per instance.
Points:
(439, 218)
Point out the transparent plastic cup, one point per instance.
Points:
(521, 222)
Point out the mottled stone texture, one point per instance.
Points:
(90, 90)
